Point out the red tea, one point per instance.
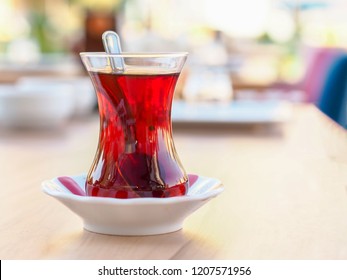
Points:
(136, 156)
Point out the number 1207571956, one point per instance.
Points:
(221, 270)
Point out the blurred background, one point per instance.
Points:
(239, 50)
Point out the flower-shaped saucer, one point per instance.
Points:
(136, 216)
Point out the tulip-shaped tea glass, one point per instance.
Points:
(136, 156)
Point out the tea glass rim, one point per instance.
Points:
(135, 54)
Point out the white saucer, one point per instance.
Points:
(136, 216)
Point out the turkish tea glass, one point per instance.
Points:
(136, 155)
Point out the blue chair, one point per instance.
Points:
(333, 97)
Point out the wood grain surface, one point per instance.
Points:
(285, 194)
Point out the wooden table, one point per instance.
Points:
(285, 194)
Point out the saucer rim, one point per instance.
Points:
(50, 187)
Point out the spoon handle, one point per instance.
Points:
(111, 42)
